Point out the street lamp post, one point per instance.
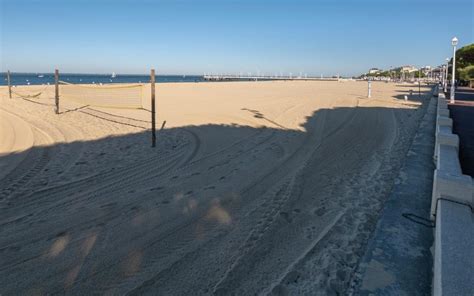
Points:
(441, 75)
(446, 76)
(454, 42)
(369, 88)
(419, 83)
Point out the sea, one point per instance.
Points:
(48, 78)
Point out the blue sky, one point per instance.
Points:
(229, 36)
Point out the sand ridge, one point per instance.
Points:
(254, 187)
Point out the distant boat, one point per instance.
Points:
(113, 75)
(41, 76)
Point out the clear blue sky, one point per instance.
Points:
(231, 36)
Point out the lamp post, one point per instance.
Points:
(441, 75)
(446, 76)
(419, 83)
(454, 42)
(369, 88)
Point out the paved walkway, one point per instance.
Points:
(398, 260)
(462, 113)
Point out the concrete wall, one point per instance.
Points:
(452, 206)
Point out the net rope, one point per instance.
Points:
(33, 93)
(125, 96)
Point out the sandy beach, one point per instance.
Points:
(253, 188)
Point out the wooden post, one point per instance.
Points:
(153, 128)
(9, 84)
(56, 85)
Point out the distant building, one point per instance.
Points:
(426, 70)
(374, 71)
(408, 69)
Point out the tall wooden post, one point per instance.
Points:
(56, 86)
(9, 84)
(153, 128)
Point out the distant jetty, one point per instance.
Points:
(262, 78)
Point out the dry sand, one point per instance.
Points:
(254, 188)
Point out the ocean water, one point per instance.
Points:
(45, 78)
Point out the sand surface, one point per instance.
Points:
(253, 188)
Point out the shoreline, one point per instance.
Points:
(106, 79)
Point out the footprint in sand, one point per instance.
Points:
(108, 205)
(319, 212)
(286, 216)
(159, 188)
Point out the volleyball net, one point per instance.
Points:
(125, 96)
(66, 95)
(34, 92)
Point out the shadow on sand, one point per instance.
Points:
(214, 209)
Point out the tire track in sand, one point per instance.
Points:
(34, 162)
(186, 233)
(255, 233)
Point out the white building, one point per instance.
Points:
(408, 69)
(374, 71)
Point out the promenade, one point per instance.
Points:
(462, 113)
(398, 259)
